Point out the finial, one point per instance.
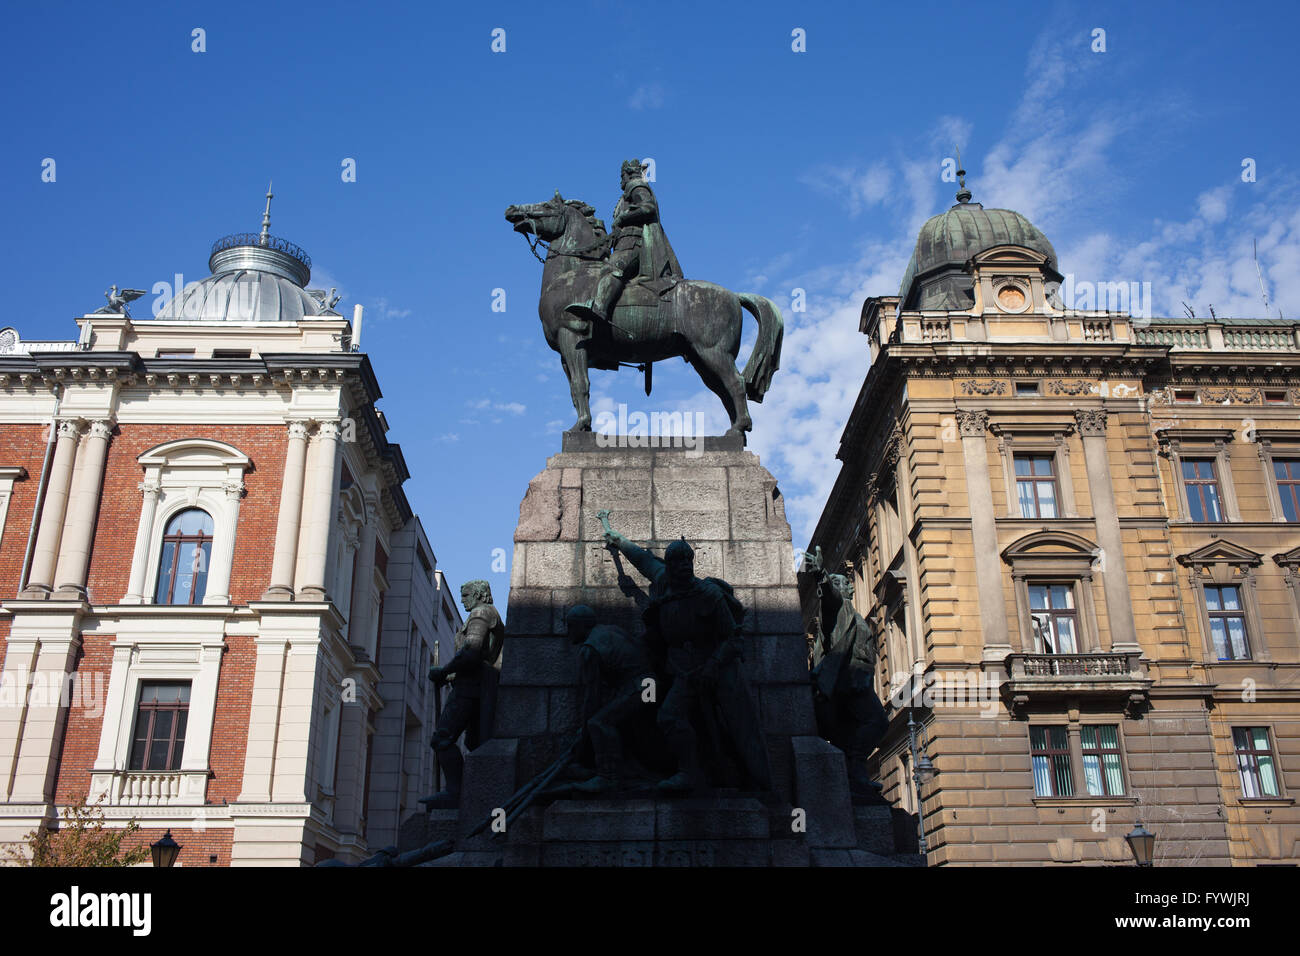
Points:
(963, 194)
(266, 218)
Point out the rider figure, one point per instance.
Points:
(638, 246)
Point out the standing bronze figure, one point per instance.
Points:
(849, 714)
(696, 624)
(472, 672)
(596, 314)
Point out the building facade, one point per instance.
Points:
(211, 582)
(1077, 535)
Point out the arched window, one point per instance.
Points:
(187, 550)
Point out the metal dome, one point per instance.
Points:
(936, 277)
(256, 277)
(242, 295)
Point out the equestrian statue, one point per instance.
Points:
(619, 299)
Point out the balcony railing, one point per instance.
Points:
(147, 788)
(1118, 675)
(1077, 665)
(1230, 337)
(1098, 330)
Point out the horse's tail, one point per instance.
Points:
(766, 356)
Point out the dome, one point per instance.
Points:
(242, 295)
(936, 277)
(256, 277)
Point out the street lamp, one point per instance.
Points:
(923, 771)
(1141, 842)
(165, 851)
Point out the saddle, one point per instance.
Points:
(643, 291)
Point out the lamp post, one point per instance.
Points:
(1141, 842)
(922, 772)
(165, 851)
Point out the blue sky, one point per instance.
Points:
(775, 170)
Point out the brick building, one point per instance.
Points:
(215, 596)
(1077, 534)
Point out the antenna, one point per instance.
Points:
(1188, 309)
(1262, 291)
(266, 218)
(963, 194)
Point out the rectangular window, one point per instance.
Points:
(1050, 750)
(1202, 489)
(1275, 397)
(1027, 390)
(159, 737)
(1227, 622)
(1036, 486)
(1287, 473)
(1101, 761)
(1186, 396)
(1055, 618)
(1255, 762)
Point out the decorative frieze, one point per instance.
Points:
(972, 387)
(1058, 387)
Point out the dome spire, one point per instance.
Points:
(963, 194)
(265, 236)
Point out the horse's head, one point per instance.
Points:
(549, 220)
(546, 220)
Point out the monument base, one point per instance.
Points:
(727, 505)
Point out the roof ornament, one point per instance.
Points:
(118, 300)
(265, 237)
(963, 194)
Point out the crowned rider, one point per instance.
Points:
(638, 246)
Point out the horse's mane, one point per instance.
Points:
(588, 212)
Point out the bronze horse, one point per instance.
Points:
(699, 321)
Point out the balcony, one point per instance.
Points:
(1055, 677)
(149, 788)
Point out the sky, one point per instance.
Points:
(1162, 149)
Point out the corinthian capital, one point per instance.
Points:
(69, 429)
(150, 488)
(297, 431)
(233, 489)
(101, 428)
(328, 430)
(1091, 421)
(972, 424)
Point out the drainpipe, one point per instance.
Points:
(40, 492)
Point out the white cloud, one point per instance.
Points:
(647, 96)
(486, 404)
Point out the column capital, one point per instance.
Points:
(328, 429)
(150, 488)
(233, 489)
(972, 423)
(69, 429)
(101, 428)
(1091, 421)
(297, 431)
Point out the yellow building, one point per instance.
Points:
(1077, 533)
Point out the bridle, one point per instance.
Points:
(536, 240)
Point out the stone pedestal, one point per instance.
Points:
(728, 507)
